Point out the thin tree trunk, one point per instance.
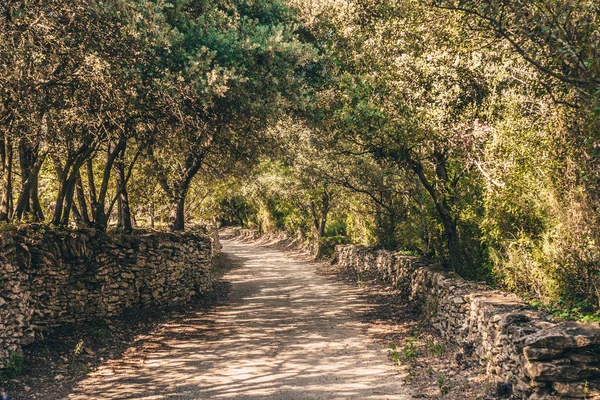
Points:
(124, 209)
(27, 157)
(152, 215)
(31, 160)
(69, 197)
(67, 178)
(99, 206)
(77, 216)
(450, 231)
(92, 184)
(36, 207)
(84, 213)
(62, 175)
(6, 154)
(320, 220)
(324, 212)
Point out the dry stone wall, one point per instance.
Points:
(245, 234)
(50, 278)
(518, 345)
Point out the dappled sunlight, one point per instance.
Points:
(284, 334)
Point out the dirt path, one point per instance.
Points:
(285, 333)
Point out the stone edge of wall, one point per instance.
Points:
(281, 238)
(53, 277)
(515, 343)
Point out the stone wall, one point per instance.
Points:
(244, 234)
(515, 343)
(280, 239)
(52, 277)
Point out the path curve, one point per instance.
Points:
(285, 333)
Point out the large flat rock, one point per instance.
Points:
(567, 335)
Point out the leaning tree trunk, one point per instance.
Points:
(62, 175)
(449, 224)
(178, 193)
(68, 199)
(27, 157)
(67, 177)
(82, 202)
(34, 198)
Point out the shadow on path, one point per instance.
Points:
(285, 333)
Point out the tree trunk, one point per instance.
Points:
(324, 212)
(179, 194)
(77, 216)
(27, 157)
(36, 207)
(177, 212)
(6, 202)
(69, 197)
(67, 178)
(449, 224)
(455, 258)
(123, 198)
(62, 175)
(320, 220)
(152, 214)
(31, 161)
(91, 185)
(84, 214)
(99, 205)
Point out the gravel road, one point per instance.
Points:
(284, 333)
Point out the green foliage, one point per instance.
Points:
(424, 135)
(12, 366)
(7, 227)
(409, 349)
(564, 310)
(394, 355)
(442, 385)
(465, 132)
(74, 358)
(328, 243)
(436, 349)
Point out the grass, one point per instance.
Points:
(409, 349)
(442, 385)
(393, 354)
(436, 349)
(12, 366)
(76, 353)
(408, 352)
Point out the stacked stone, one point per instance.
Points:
(516, 344)
(14, 313)
(246, 234)
(51, 278)
(390, 267)
(565, 357)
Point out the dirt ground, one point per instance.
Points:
(277, 327)
(434, 369)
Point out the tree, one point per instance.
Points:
(236, 71)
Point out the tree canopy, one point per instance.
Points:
(461, 131)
